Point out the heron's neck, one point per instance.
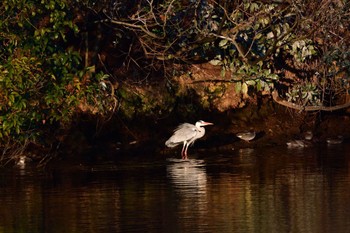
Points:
(201, 129)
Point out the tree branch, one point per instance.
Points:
(285, 103)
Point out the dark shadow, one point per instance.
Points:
(216, 141)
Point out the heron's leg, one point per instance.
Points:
(183, 150)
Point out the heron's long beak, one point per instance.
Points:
(207, 123)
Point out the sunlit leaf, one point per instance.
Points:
(222, 43)
(250, 82)
(244, 88)
(238, 87)
(223, 72)
(215, 62)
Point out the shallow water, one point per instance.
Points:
(248, 190)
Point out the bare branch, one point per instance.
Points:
(135, 26)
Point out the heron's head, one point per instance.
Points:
(202, 123)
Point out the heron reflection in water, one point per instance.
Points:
(189, 179)
(187, 134)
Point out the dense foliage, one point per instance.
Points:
(302, 46)
(299, 48)
(42, 79)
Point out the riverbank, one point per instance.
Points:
(274, 124)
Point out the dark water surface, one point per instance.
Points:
(247, 190)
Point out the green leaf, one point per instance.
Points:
(259, 85)
(238, 87)
(250, 82)
(223, 72)
(244, 88)
(222, 43)
(215, 62)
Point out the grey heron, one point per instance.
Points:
(186, 134)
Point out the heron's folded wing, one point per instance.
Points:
(183, 132)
